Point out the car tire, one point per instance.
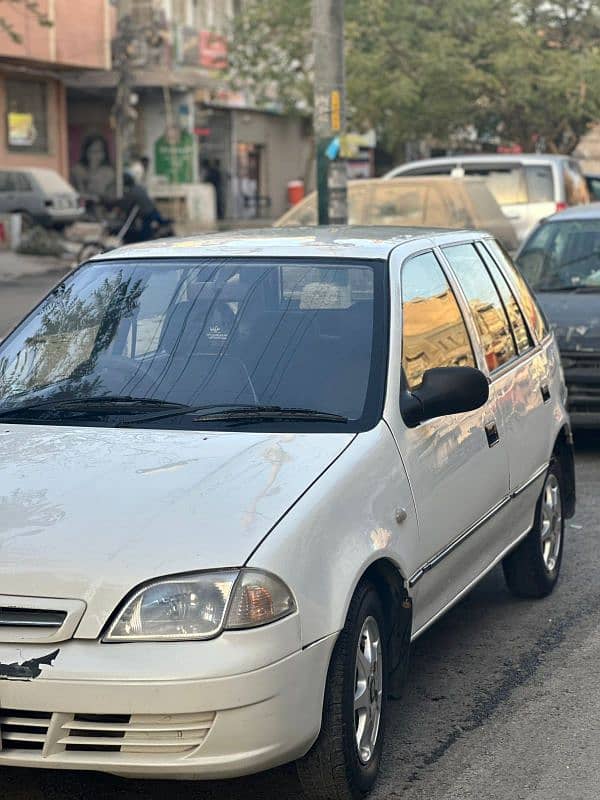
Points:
(532, 569)
(336, 768)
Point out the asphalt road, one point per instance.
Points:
(18, 294)
(503, 700)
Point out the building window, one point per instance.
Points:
(27, 116)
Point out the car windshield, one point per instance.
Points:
(203, 343)
(562, 256)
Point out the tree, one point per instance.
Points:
(521, 72)
(29, 6)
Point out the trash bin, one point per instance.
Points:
(295, 192)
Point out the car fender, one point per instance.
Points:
(360, 511)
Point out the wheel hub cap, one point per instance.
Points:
(368, 689)
(551, 527)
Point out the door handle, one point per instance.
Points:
(491, 432)
(545, 392)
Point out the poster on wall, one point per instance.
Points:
(174, 155)
(91, 161)
(21, 129)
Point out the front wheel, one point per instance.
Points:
(532, 569)
(344, 761)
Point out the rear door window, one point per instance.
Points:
(485, 304)
(506, 182)
(434, 333)
(540, 184)
(517, 320)
(534, 316)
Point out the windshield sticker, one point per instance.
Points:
(27, 670)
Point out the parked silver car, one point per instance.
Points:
(526, 187)
(42, 196)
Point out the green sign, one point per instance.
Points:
(174, 156)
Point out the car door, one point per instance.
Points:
(526, 391)
(458, 472)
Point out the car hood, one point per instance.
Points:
(90, 513)
(574, 317)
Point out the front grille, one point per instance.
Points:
(23, 730)
(150, 734)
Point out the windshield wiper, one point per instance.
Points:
(270, 412)
(234, 412)
(101, 403)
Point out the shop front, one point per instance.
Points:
(250, 156)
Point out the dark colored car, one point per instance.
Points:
(561, 262)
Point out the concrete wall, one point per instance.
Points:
(57, 156)
(79, 37)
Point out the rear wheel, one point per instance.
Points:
(532, 569)
(344, 762)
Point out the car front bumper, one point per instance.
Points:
(134, 724)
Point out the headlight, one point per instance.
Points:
(201, 605)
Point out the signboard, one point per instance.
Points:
(174, 155)
(213, 50)
(21, 129)
(336, 116)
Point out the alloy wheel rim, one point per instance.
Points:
(368, 689)
(551, 527)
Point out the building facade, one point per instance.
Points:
(33, 71)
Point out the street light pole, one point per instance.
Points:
(330, 110)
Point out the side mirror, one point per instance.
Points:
(445, 391)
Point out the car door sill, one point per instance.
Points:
(469, 586)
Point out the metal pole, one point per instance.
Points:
(330, 110)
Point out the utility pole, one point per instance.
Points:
(330, 110)
(123, 112)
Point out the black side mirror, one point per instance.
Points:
(445, 391)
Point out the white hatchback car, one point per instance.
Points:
(240, 473)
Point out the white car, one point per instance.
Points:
(527, 187)
(240, 473)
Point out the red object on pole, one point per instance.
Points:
(295, 192)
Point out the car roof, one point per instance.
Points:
(585, 211)
(490, 158)
(319, 241)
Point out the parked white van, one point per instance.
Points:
(527, 187)
(239, 474)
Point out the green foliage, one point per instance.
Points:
(29, 6)
(522, 71)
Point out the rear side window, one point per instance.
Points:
(485, 304)
(517, 320)
(506, 183)
(540, 184)
(533, 314)
(433, 329)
